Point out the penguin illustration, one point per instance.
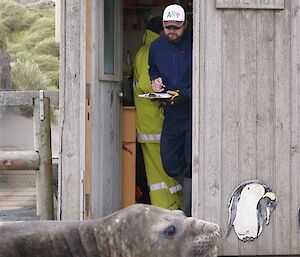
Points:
(250, 207)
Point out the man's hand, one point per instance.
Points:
(161, 101)
(157, 85)
(177, 97)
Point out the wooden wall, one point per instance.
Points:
(246, 117)
(90, 153)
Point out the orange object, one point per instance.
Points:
(128, 156)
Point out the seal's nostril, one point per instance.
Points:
(218, 232)
(212, 228)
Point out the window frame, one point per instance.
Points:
(118, 43)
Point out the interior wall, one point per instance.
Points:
(134, 26)
(132, 37)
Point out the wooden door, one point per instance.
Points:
(105, 106)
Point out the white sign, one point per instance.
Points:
(249, 208)
(250, 4)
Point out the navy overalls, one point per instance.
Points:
(173, 63)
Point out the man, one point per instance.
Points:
(165, 191)
(170, 70)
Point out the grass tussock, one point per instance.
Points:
(27, 76)
(48, 47)
(28, 33)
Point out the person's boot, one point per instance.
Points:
(187, 197)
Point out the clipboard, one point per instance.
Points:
(154, 95)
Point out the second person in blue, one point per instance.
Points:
(170, 70)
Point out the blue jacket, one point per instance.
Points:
(173, 63)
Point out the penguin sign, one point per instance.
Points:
(250, 207)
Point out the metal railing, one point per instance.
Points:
(40, 158)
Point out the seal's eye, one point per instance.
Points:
(170, 231)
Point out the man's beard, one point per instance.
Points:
(175, 38)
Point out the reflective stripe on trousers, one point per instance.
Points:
(148, 137)
(162, 185)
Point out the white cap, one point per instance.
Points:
(174, 12)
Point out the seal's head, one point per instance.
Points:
(145, 230)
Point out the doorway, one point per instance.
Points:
(135, 14)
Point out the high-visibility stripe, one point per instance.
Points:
(175, 189)
(158, 186)
(148, 137)
(162, 185)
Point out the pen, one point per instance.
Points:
(162, 88)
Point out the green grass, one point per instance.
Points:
(28, 33)
(47, 46)
(27, 76)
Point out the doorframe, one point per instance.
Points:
(82, 103)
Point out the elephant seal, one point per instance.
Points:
(137, 231)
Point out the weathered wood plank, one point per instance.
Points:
(26, 97)
(282, 112)
(212, 172)
(69, 147)
(295, 123)
(265, 116)
(42, 144)
(206, 163)
(17, 190)
(247, 107)
(250, 4)
(19, 160)
(198, 103)
(230, 120)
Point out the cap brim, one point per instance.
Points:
(173, 23)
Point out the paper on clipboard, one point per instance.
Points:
(153, 95)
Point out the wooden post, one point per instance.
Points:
(42, 144)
